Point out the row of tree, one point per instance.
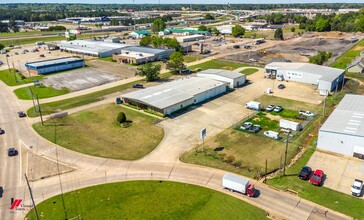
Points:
(159, 42)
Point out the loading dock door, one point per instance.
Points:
(358, 152)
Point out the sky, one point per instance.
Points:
(181, 1)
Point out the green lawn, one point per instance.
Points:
(347, 57)
(9, 79)
(29, 33)
(217, 64)
(245, 153)
(321, 195)
(99, 135)
(147, 200)
(189, 59)
(42, 92)
(249, 71)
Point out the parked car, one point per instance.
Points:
(16, 53)
(17, 47)
(138, 86)
(21, 114)
(236, 46)
(316, 178)
(11, 152)
(278, 108)
(246, 126)
(184, 71)
(254, 128)
(1, 63)
(305, 173)
(357, 187)
(306, 113)
(281, 86)
(42, 55)
(2, 131)
(270, 108)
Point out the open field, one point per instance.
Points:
(243, 152)
(347, 57)
(189, 59)
(217, 64)
(249, 71)
(42, 92)
(99, 134)
(147, 199)
(9, 79)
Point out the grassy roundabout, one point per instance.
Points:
(147, 200)
(98, 134)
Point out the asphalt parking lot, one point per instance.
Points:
(340, 171)
(79, 79)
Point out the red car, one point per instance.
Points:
(316, 178)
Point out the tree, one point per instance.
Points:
(2, 46)
(202, 28)
(293, 29)
(320, 58)
(121, 118)
(3, 28)
(323, 25)
(158, 25)
(216, 31)
(209, 16)
(172, 43)
(278, 34)
(145, 41)
(57, 28)
(238, 30)
(114, 22)
(175, 63)
(150, 71)
(157, 41)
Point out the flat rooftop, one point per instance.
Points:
(92, 46)
(326, 73)
(149, 50)
(53, 61)
(224, 73)
(174, 92)
(348, 117)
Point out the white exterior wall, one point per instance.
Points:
(339, 143)
(177, 106)
(232, 82)
(298, 76)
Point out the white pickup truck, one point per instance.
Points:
(357, 187)
(306, 113)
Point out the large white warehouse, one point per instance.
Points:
(343, 131)
(173, 96)
(326, 79)
(234, 79)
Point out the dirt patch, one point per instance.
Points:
(273, 117)
(358, 48)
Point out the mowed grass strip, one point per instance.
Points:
(42, 92)
(147, 200)
(249, 71)
(347, 57)
(12, 78)
(217, 64)
(189, 59)
(96, 132)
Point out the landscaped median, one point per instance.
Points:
(246, 153)
(96, 132)
(43, 92)
(147, 200)
(13, 78)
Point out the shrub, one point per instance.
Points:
(230, 159)
(121, 118)
(238, 163)
(222, 156)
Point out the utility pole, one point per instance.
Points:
(266, 169)
(32, 95)
(31, 196)
(285, 156)
(40, 110)
(324, 108)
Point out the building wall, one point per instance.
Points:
(233, 83)
(339, 143)
(58, 68)
(169, 110)
(189, 39)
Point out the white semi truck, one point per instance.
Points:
(238, 184)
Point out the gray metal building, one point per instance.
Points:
(234, 79)
(92, 48)
(54, 65)
(326, 79)
(343, 131)
(172, 96)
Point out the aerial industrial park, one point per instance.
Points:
(181, 111)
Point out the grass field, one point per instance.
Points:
(217, 64)
(249, 71)
(29, 33)
(324, 196)
(9, 79)
(42, 92)
(108, 59)
(245, 153)
(98, 134)
(147, 200)
(189, 59)
(347, 57)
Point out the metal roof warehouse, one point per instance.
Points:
(54, 65)
(326, 79)
(343, 131)
(172, 96)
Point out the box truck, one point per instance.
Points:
(294, 126)
(238, 184)
(253, 105)
(272, 134)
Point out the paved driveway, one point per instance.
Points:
(340, 171)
